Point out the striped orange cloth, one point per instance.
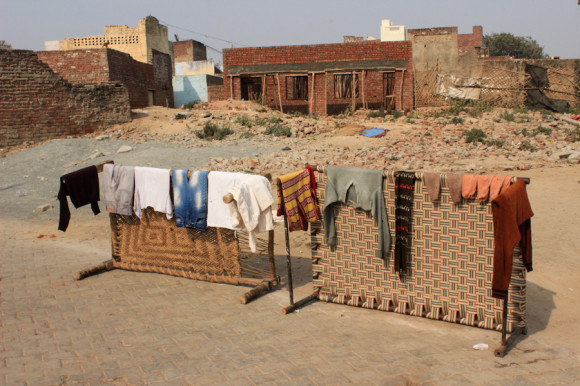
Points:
(298, 190)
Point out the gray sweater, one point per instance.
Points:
(360, 189)
(119, 188)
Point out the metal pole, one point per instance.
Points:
(288, 260)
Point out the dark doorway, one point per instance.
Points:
(389, 91)
(252, 89)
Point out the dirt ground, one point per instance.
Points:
(554, 191)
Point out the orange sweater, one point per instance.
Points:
(511, 223)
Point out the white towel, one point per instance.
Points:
(252, 206)
(152, 189)
(218, 185)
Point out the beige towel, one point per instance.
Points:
(433, 184)
(454, 183)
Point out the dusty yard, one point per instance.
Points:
(517, 142)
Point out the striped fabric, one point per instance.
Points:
(299, 195)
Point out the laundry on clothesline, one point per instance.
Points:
(296, 193)
(82, 186)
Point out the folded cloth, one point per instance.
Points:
(469, 187)
(433, 184)
(454, 183)
(119, 188)
(152, 190)
(483, 185)
(190, 199)
(511, 223)
(251, 207)
(498, 184)
(220, 184)
(82, 186)
(299, 195)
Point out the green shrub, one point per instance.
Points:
(179, 116)
(397, 114)
(494, 142)
(573, 135)
(191, 104)
(456, 120)
(526, 145)
(507, 116)
(377, 114)
(520, 110)
(474, 135)
(243, 120)
(278, 130)
(260, 122)
(275, 120)
(543, 130)
(457, 107)
(213, 131)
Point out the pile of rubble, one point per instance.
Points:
(426, 139)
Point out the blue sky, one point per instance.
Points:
(26, 24)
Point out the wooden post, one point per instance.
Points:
(231, 87)
(312, 94)
(402, 82)
(263, 88)
(279, 92)
(362, 75)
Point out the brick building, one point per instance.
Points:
(37, 104)
(324, 78)
(147, 84)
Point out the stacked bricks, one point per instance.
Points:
(324, 101)
(470, 42)
(37, 104)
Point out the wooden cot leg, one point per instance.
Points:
(500, 351)
(258, 291)
(294, 306)
(103, 267)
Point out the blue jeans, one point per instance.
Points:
(190, 199)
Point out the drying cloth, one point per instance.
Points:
(82, 186)
(455, 185)
(299, 195)
(404, 191)
(469, 187)
(511, 223)
(360, 189)
(152, 189)
(190, 199)
(218, 212)
(252, 206)
(119, 188)
(498, 184)
(433, 184)
(483, 185)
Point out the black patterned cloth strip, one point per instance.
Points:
(404, 191)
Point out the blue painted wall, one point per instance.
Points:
(189, 88)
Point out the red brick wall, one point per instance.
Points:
(102, 65)
(470, 42)
(324, 85)
(162, 78)
(189, 51)
(37, 104)
(78, 66)
(216, 93)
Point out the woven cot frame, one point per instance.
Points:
(155, 244)
(449, 271)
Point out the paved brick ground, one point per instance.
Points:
(137, 328)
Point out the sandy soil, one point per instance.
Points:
(553, 301)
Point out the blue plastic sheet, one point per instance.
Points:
(374, 132)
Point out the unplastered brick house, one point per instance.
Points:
(323, 78)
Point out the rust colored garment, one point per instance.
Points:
(511, 223)
(483, 185)
(498, 184)
(469, 187)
